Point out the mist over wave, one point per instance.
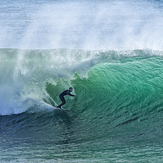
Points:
(82, 25)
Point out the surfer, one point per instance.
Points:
(61, 96)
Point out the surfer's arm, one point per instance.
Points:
(71, 95)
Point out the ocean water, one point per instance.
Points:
(110, 52)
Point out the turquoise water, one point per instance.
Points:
(115, 117)
(109, 52)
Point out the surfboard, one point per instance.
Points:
(61, 108)
(55, 107)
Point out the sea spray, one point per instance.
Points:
(93, 25)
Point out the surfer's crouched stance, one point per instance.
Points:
(61, 96)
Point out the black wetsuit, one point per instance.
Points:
(61, 96)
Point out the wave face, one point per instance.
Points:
(119, 97)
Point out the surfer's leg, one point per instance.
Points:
(60, 105)
(63, 101)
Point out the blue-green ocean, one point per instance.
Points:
(110, 52)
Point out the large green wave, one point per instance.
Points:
(124, 95)
(112, 87)
(119, 94)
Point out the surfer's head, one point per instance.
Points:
(70, 89)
